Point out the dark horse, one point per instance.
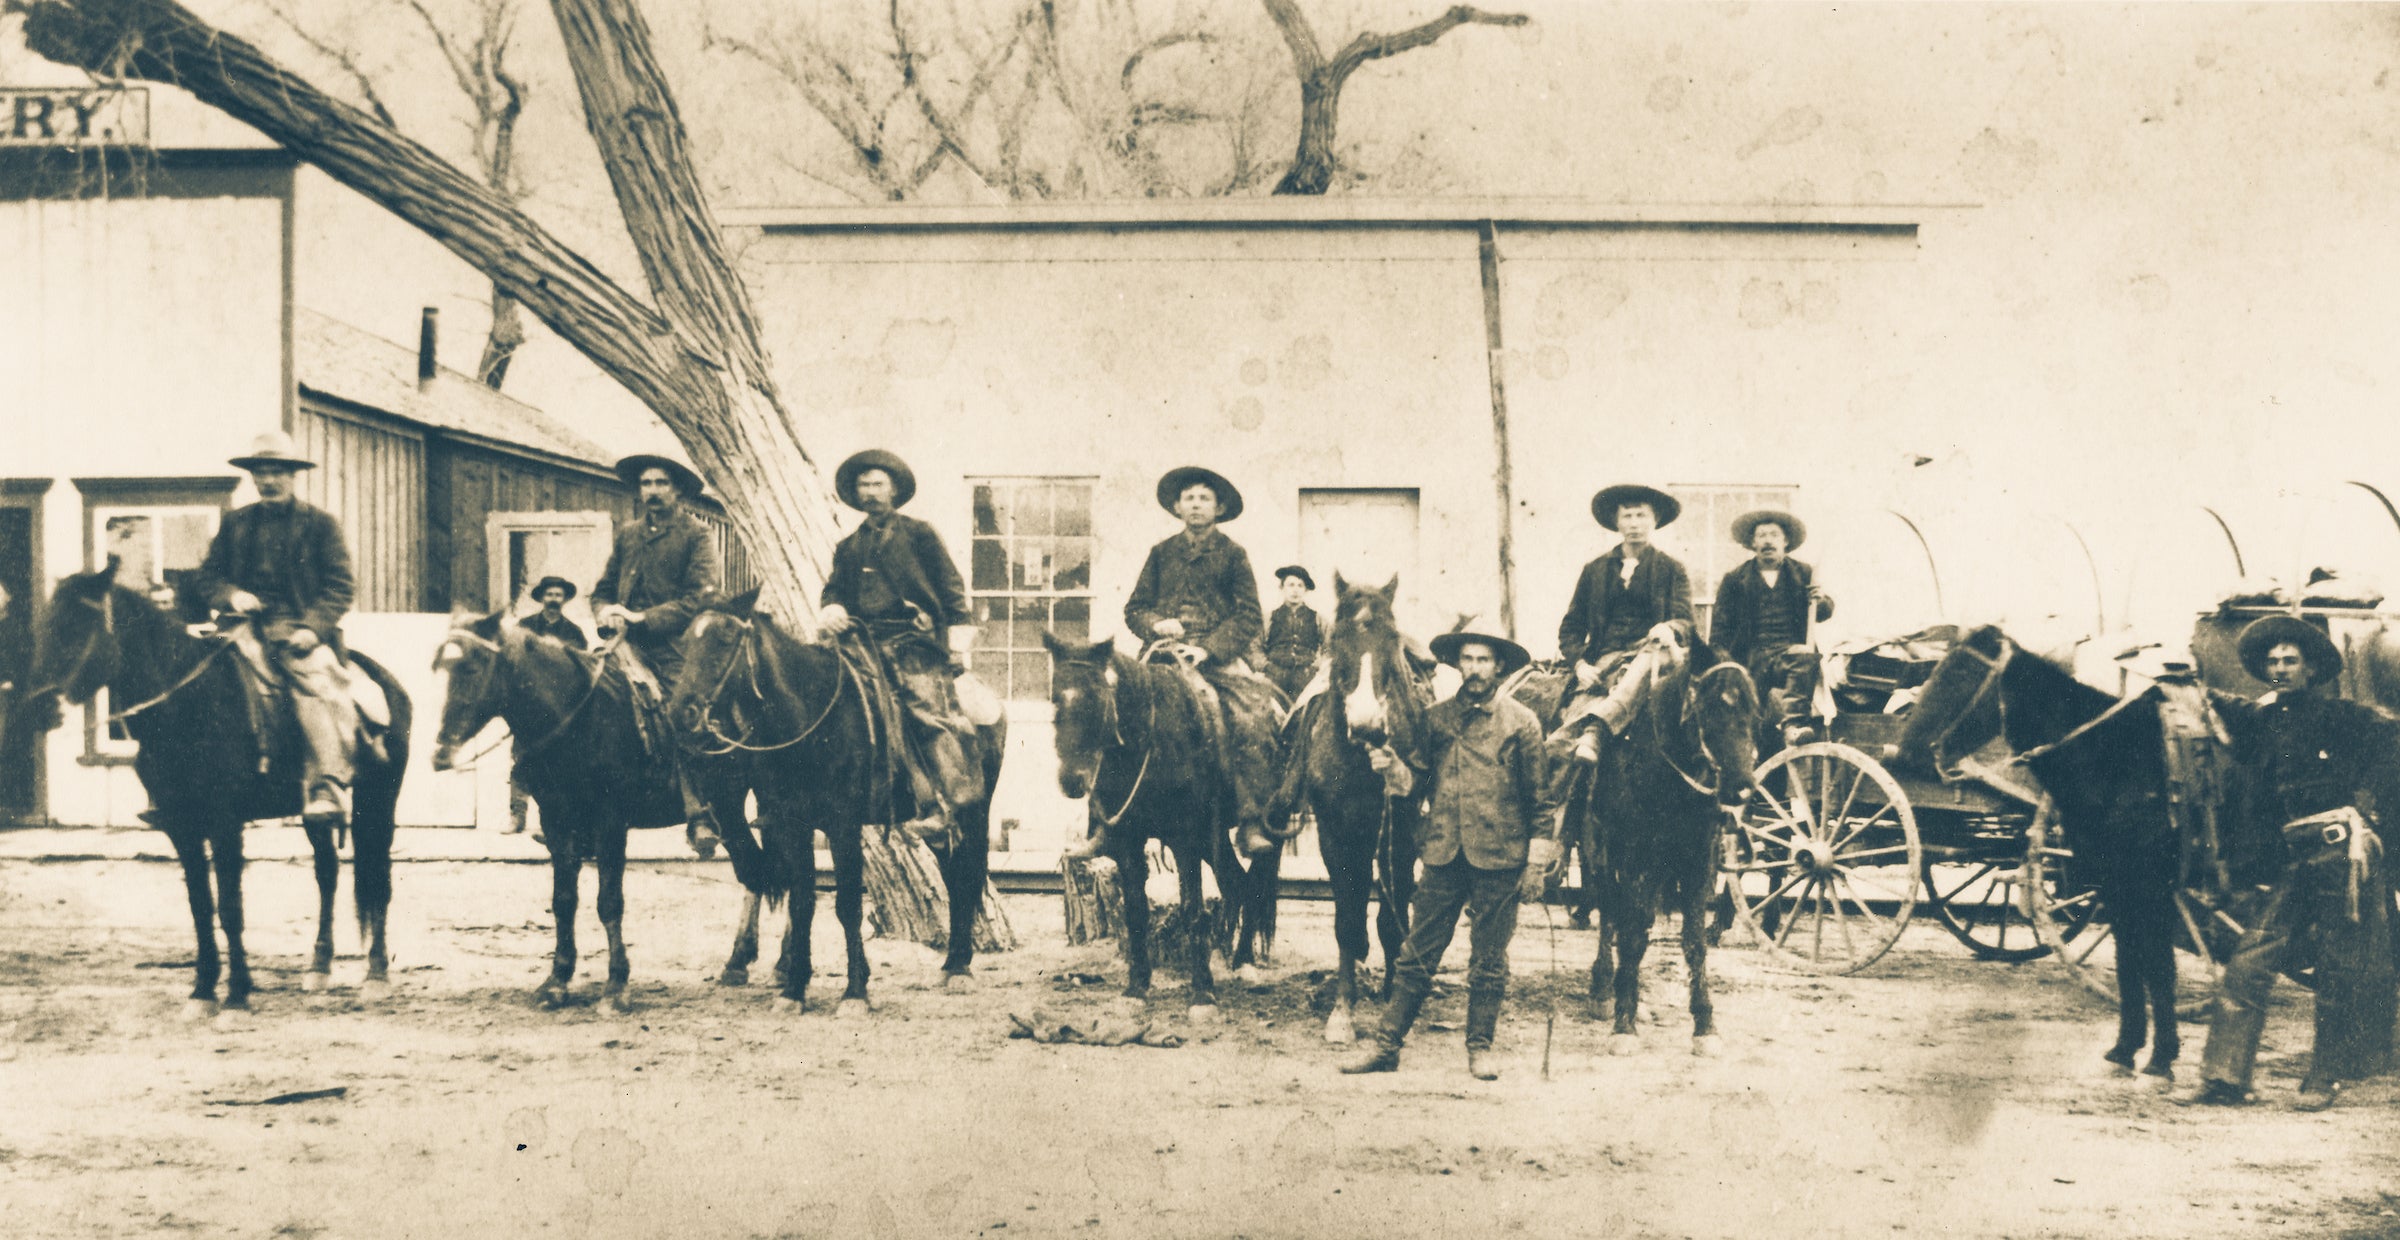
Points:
(580, 753)
(1365, 836)
(207, 772)
(1651, 816)
(2102, 760)
(1130, 737)
(795, 720)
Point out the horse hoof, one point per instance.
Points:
(232, 1020)
(958, 983)
(550, 998)
(850, 1009)
(734, 977)
(374, 990)
(1624, 1044)
(2120, 1072)
(1340, 1028)
(1705, 1046)
(2158, 1080)
(1250, 975)
(617, 1005)
(316, 981)
(196, 1010)
(1205, 1015)
(785, 1005)
(1128, 1005)
(1217, 965)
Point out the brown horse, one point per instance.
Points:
(208, 773)
(1368, 839)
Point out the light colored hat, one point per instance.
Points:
(272, 450)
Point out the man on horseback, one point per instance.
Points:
(894, 581)
(1198, 595)
(282, 564)
(1490, 841)
(1764, 608)
(2307, 844)
(1631, 618)
(662, 571)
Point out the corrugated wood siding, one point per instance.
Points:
(372, 477)
(482, 483)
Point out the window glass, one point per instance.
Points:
(1032, 573)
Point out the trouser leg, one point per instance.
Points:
(2355, 984)
(1434, 919)
(2241, 1015)
(928, 701)
(321, 703)
(1492, 922)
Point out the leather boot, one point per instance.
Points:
(962, 784)
(1373, 1055)
(1482, 1064)
(1483, 1019)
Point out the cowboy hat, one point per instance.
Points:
(686, 481)
(904, 479)
(1606, 503)
(272, 450)
(1171, 487)
(1745, 527)
(1293, 570)
(547, 582)
(2268, 632)
(1511, 655)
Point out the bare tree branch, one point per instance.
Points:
(1321, 81)
(343, 58)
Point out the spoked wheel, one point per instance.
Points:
(1825, 871)
(1978, 891)
(2071, 918)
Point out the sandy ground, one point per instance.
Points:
(1934, 1096)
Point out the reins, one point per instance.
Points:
(1117, 733)
(1938, 747)
(491, 672)
(1658, 733)
(107, 607)
(729, 744)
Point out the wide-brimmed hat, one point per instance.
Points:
(2267, 632)
(1746, 526)
(686, 481)
(904, 479)
(547, 582)
(1606, 503)
(272, 450)
(1511, 655)
(1171, 486)
(1294, 570)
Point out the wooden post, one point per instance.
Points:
(903, 883)
(1095, 902)
(1487, 249)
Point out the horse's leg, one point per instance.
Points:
(191, 849)
(1188, 860)
(2152, 928)
(849, 907)
(1695, 933)
(797, 868)
(1632, 929)
(745, 943)
(2133, 1006)
(1133, 880)
(329, 882)
(371, 891)
(965, 866)
(226, 852)
(1350, 870)
(566, 868)
(1233, 884)
(611, 906)
(1400, 884)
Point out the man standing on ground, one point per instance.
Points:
(1489, 843)
(551, 622)
(1294, 635)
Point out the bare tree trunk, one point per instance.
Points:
(696, 360)
(1322, 79)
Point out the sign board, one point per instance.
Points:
(72, 116)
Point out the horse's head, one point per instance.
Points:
(1369, 666)
(1958, 709)
(78, 651)
(473, 665)
(1083, 702)
(1724, 707)
(711, 648)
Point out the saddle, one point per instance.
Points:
(268, 697)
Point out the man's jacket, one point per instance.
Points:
(1609, 614)
(1208, 585)
(668, 574)
(293, 560)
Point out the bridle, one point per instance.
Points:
(491, 675)
(1694, 687)
(1994, 668)
(1116, 731)
(744, 656)
(106, 605)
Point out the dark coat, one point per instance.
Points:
(317, 587)
(1209, 587)
(668, 574)
(1661, 591)
(2303, 754)
(1490, 754)
(1738, 597)
(565, 630)
(1294, 634)
(912, 560)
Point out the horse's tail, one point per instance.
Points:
(375, 801)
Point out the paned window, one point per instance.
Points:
(1031, 570)
(1703, 536)
(159, 530)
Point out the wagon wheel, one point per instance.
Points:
(1979, 892)
(2073, 921)
(1829, 838)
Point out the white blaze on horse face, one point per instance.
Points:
(1362, 708)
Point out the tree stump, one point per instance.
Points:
(1095, 902)
(903, 882)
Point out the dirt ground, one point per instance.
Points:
(1933, 1096)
